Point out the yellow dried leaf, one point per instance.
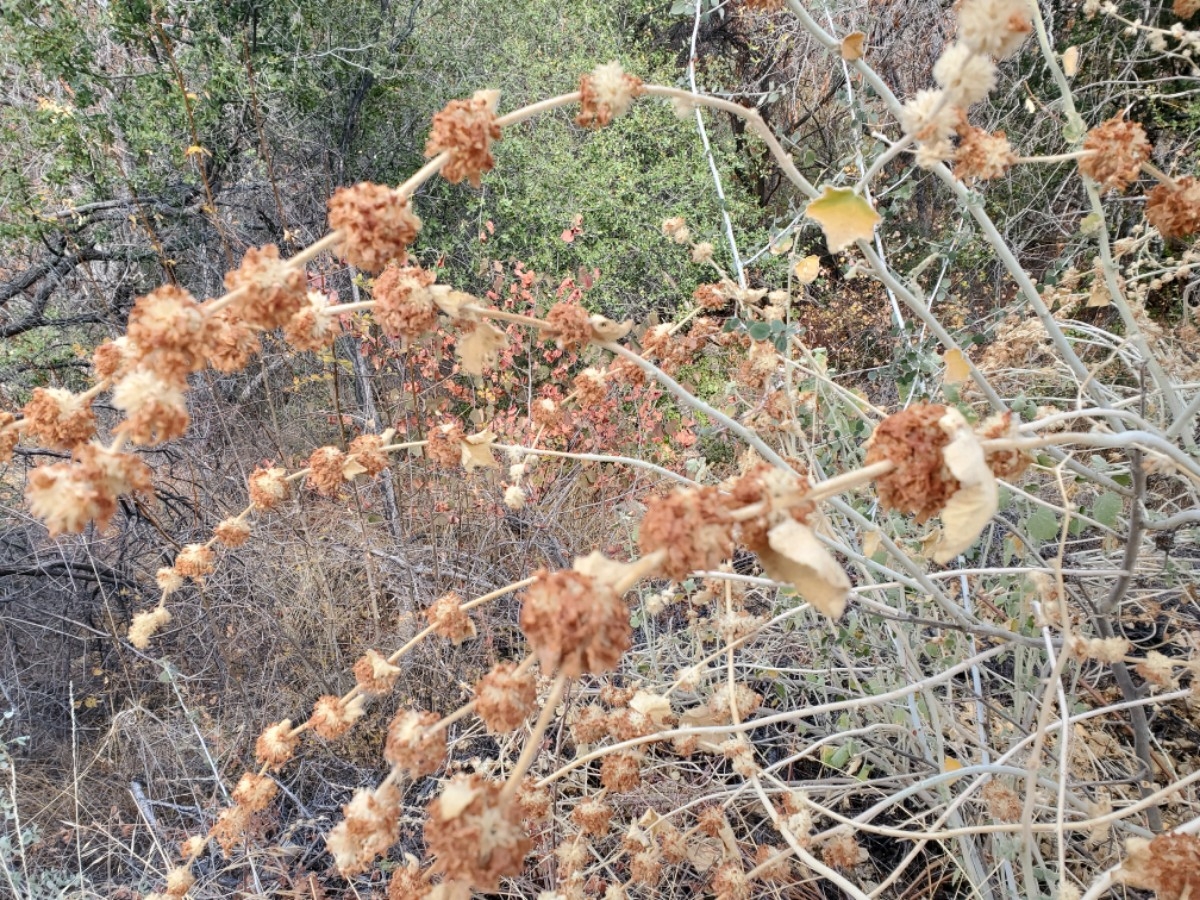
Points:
(352, 467)
(481, 348)
(1070, 61)
(972, 506)
(844, 216)
(957, 370)
(782, 247)
(1099, 295)
(196, 150)
(871, 543)
(703, 852)
(653, 706)
(477, 451)
(807, 269)
(796, 557)
(852, 46)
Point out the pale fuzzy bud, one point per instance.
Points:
(193, 846)
(966, 76)
(1108, 650)
(145, 624)
(613, 88)
(169, 581)
(994, 28)
(702, 252)
(676, 229)
(514, 497)
(516, 471)
(180, 881)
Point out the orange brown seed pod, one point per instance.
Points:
(574, 623)
(476, 836)
(505, 698)
(66, 496)
(592, 816)
(59, 418)
(589, 724)
(326, 464)
(404, 306)
(449, 619)
(693, 527)
(981, 155)
(169, 332)
(590, 387)
(254, 791)
(276, 744)
(313, 326)
(921, 483)
(607, 92)
(108, 358)
(232, 343)
(408, 882)
(646, 867)
(372, 819)
(1175, 209)
(843, 852)
(465, 129)
(621, 772)
(230, 827)
(271, 291)
(413, 745)
(195, 561)
(366, 448)
(569, 325)
(1119, 149)
(374, 674)
(535, 802)
(710, 297)
(331, 717)
(377, 224)
(445, 445)
(268, 487)
(232, 532)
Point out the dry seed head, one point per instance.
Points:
(66, 496)
(572, 855)
(232, 532)
(232, 343)
(711, 820)
(276, 744)
(180, 881)
(326, 475)
(146, 624)
(646, 867)
(505, 698)
(367, 449)
(621, 771)
(465, 129)
(59, 418)
(676, 230)
(1119, 149)
(404, 306)
(777, 860)
(9, 436)
(1007, 464)
(569, 326)
(271, 291)
(930, 119)
(374, 674)
(607, 93)
(692, 526)
(168, 580)
(1169, 865)
(193, 846)
(408, 882)
(1106, 650)
(729, 882)
(412, 743)
(370, 826)
(981, 155)
(738, 751)
(195, 561)
(230, 827)
(332, 717)
(1175, 209)
(1002, 801)
(378, 225)
(313, 326)
(710, 297)
(843, 852)
(966, 76)
(702, 252)
(268, 486)
(170, 332)
(593, 817)
(1157, 669)
(535, 802)
(589, 724)
(575, 623)
(449, 619)
(476, 837)
(514, 497)
(255, 792)
(110, 357)
(156, 410)
(995, 28)
(445, 445)
(920, 484)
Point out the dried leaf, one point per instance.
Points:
(783, 246)
(703, 852)
(844, 216)
(655, 707)
(807, 269)
(1070, 61)
(481, 348)
(450, 301)
(871, 543)
(957, 370)
(796, 557)
(1099, 296)
(606, 330)
(352, 467)
(477, 451)
(852, 46)
(972, 506)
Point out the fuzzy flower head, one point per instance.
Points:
(367, 450)
(930, 119)
(607, 93)
(155, 409)
(505, 698)
(370, 826)
(276, 744)
(692, 526)
(1119, 147)
(575, 623)
(995, 28)
(449, 619)
(378, 225)
(964, 75)
(170, 332)
(254, 791)
(195, 561)
(332, 717)
(9, 436)
(232, 532)
(1174, 209)
(981, 155)
(374, 674)
(404, 305)
(66, 496)
(326, 470)
(413, 745)
(313, 326)
(272, 292)
(146, 624)
(268, 487)
(232, 343)
(569, 325)
(59, 418)
(465, 130)
(476, 836)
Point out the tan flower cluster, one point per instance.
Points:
(1002, 801)
(593, 817)
(169, 333)
(621, 771)
(230, 827)
(179, 881)
(9, 436)
(146, 624)
(110, 357)
(965, 75)
(535, 802)
(930, 120)
(776, 860)
(413, 745)
(1169, 865)
(374, 674)
(449, 619)
(268, 487)
(326, 467)
(981, 155)
(66, 496)
(367, 449)
(624, 371)
(1174, 209)
(313, 326)
(569, 325)
(378, 225)
(676, 230)
(780, 494)
(1119, 147)
(155, 409)
(843, 852)
(921, 483)
(445, 445)
(195, 561)
(332, 716)
(545, 413)
(59, 418)
(232, 532)
(710, 297)
(465, 129)
(995, 28)
(575, 623)
(255, 792)
(729, 882)
(271, 291)
(590, 387)
(607, 92)
(589, 724)
(404, 306)
(276, 744)
(370, 826)
(408, 882)
(505, 698)
(168, 580)
(1007, 464)
(476, 836)
(232, 343)
(692, 525)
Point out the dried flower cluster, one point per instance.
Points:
(465, 130)
(607, 93)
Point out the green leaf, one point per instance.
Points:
(1106, 509)
(760, 331)
(1043, 525)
